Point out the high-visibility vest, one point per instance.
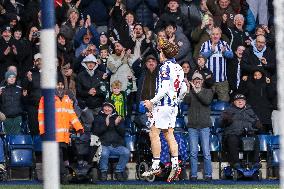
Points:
(65, 118)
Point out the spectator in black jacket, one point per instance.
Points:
(9, 54)
(31, 84)
(258, 56)
(234, 120)
(88, 86)
(234, 72)
(108, 126)
(11, 96)
(174, 14)
(259, 94)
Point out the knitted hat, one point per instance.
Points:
(239, 96)
(9, 74)
(169, 49)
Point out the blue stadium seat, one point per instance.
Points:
(130, 141)
(214, 142)
(219, 106)
(20, 153)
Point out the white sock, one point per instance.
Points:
(156, 163)
(174, 161)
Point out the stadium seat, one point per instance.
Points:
(20, 151)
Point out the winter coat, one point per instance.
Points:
(185, 51)
(250, 62)
(199, 108)
(84, 83)
(177, 17)
(141, 72)
(11, 101)
(235, 120)
(218, 12)
(33, 88)
(236, 36)
(112, 135)
(121, 68)
(232, 71)
(259, 95)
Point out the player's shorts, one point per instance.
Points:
(164, 117)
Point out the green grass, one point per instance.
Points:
(187, 186)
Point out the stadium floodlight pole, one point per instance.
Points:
(48, 83)
(279, 20)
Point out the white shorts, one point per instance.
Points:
(164, 117)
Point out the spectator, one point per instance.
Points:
(88, 86)
(69, 77)
(217, 52)
(142, 42)
(108, 126)
(234, 72)
(122, 25)
(202, 33)
(144, 10)
(181, 40)
(220, 7)
(11, 104)
(119, 98)
(31, 83)
(199, 124)
(72, 24)
(85, 36)
(89, 50)
(174, 14)
(259, 94)
(204, 71)
(267, 33)
(234, 120)
(237, 35)
(62, 10)
(258, 55)
(65, 48)
(120, 65)
(104, 54)
(186, 69)
(65, 120)
(8, 51)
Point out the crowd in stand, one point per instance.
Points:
(108, 59)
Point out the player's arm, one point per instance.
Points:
(165, 87)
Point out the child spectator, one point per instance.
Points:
(119, 98)
(11, 97)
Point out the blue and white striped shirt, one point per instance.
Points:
(168, 84)
(216, 60)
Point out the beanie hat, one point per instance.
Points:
(108, 104)
(169, 49)
(10, 73)
(239, 96)
(197, 75)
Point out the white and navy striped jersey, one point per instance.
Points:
(216, 60)
(168, 84)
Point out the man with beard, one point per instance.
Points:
(65, 120)
(120, 65)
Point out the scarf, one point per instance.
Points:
(256, 52)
